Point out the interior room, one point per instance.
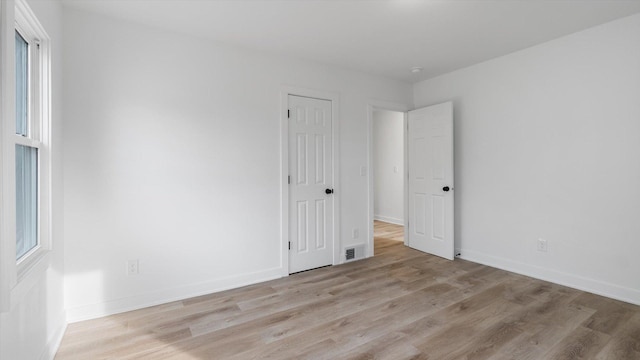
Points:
(388, 166)
(201, 179)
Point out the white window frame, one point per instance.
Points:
(20, 274)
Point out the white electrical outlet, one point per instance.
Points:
(133, 267)
(542, 245)
(363, 171)
(356, 233)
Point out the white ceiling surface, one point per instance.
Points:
(387, 38)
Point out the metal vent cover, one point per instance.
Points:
(351, 253)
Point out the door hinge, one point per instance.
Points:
(289, 245)
(288, 114)
(289, 179)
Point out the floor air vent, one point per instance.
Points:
(351, 254)
(354, 253)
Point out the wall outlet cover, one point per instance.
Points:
(543, 246)
(133, 267)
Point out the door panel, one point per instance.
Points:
(303, 224)
(321, 223)
(310, 163)
(301, 155)
(320, 143)
(430, 152)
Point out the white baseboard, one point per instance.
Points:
(49, 353)
(388, 219)
(571, 280)
(136, 302)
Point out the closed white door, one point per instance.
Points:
(430, 136)
(310, 184)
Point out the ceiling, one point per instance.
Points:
(386, 38)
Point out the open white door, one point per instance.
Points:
(430, 152)
(311, 184)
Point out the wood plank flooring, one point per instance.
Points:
(400, 304)
(388, 231)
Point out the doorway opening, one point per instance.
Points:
(427, 173)
(388, 177)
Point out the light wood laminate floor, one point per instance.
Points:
(400, 304)
(388, 231)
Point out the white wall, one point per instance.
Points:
(35, 322)
(388, 166)
(172, 157)
(547, 144)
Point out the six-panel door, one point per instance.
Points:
(430, 134)
(311, 169)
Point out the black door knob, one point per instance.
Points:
(328, 191)
(446, 188)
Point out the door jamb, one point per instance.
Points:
(390, 106)
(285, 91)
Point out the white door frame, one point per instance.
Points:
(284, 169)
(372, 106)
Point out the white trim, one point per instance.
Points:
(7, 106)
(116, 306)
(558, 277)
(387, 219)
(406, 179)
(284, 181)
(25, 141)
(25, 16)
(285, 91)
(30, 275)
(49, 352)
(373, 105)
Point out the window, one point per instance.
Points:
(31, 139)
(26, 157)
(22, 85)
(26, 200)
